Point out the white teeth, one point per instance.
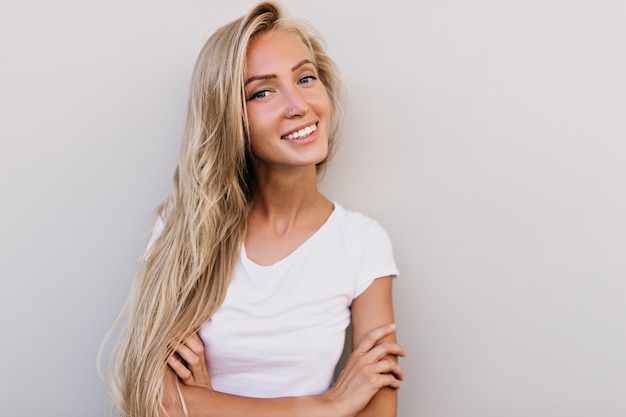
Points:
(301, 133)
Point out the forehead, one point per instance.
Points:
(273, 51)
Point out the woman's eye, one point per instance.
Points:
(259, 94)
(308, 79)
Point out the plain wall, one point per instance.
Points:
(487, 137)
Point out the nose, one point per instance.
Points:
(296, 104)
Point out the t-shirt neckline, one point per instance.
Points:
(293, 253)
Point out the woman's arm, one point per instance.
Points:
(371, 309)
(201, 402)
(362, 377)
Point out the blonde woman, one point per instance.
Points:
(252, 276)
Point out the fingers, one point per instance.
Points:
(372, 337)
(388, 380)
(372, 349)
(386, 348)
(377, 355)
(180, 369)
(194, 343)
(189, 363)
(388, 366)
(188, 358)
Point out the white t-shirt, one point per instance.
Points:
(281, 328)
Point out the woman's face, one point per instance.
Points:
(287, 104)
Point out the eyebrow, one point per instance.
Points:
(271, 76)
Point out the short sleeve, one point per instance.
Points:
(372, 256)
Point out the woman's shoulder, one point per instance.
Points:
(367, 245)
(356, 223)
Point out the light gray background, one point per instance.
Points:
(486, 136)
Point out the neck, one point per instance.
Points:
(283, 195)
(286, 209)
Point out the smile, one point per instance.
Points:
(302, 133)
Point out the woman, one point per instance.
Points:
(252, 276)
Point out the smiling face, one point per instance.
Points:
(287, 104)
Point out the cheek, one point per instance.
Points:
(323, 104)
(261, 119)
(255, 141)
(259, 137)
(255, 126)
(325, 108)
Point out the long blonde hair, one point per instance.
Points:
(183, 277)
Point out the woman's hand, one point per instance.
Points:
(190, 363)
(367, 370)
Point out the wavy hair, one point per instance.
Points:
(184, 274)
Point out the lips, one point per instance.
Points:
(301, 133)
